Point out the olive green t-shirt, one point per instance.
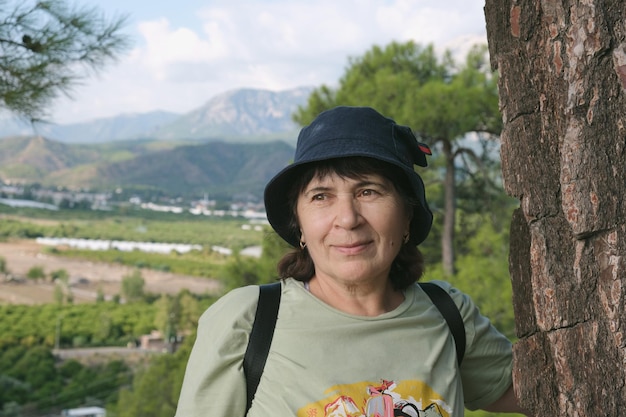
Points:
(323, 362)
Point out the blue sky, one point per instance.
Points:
(187, 51)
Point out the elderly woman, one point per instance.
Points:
(355, 335)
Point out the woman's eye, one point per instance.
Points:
(368, 193)
(319, 197)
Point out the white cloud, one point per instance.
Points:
(272, 44)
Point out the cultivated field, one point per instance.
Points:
(86, 278)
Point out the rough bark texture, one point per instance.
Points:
(563, 100)
(449, 218)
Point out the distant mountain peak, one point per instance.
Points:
(244, 114)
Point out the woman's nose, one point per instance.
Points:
(348, 215)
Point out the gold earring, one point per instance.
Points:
(302, 245)
(406, 237)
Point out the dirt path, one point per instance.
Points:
(86, 277)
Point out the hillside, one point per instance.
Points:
(215, 167)
(33, 158)
(219, 168)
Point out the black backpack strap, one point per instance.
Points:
(450, 313)
(261, 337)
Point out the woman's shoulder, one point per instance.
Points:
(239, 303)
(463, 301)
(454, 292)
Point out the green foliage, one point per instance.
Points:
(99, 382)
(100, 296)
(196, 263)
(19, 229)
(482, 413)
(45, 46)
(31, 376)
(36, 368)
(241, 271)
(167, 313)
(59, 274)
(36, 273)
(62, 291)
(59, 293)
(413, 85)
(105, 323)
(3, 265)
(133, 286)
(448, 107)
(383, 78)
(14, 392)
(189, 313)
(155, 391)
(154, 227)
(178, 314)
(483, 274)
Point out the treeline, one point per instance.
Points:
(74, 325)
(104, 323)
(34, 382)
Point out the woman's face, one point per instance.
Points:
(353, 228)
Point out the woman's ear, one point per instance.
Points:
(302, 241)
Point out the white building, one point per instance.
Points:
(85, 412)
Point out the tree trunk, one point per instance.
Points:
(449, 218)
(563, 100)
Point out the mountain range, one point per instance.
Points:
(232, 145)
(145, 167)
(243, 115)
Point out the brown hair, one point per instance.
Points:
(408, 266)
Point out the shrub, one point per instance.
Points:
(36, 273)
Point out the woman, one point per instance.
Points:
(355, 335)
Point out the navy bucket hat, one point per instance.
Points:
(351, 131)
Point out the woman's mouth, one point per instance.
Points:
(352, 248)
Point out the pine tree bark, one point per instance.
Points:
(563, 100)
(449, 218)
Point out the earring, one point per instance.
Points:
(302, 245)
(406, 237)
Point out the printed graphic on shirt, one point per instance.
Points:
(384, 399)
